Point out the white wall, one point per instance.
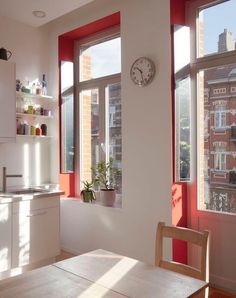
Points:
(146, 124)
(29, 49)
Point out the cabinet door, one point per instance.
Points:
(5, 237)
(7, 101)
(35, 236)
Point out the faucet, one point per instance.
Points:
(4, 178)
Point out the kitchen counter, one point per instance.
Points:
(30, 227)
(16, 194)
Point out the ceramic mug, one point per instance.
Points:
(5, 54)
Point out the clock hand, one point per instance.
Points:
(141, 72)
(139, 69)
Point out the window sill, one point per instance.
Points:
(97, 203)
(220, 129)
(220, 171)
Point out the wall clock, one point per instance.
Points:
(142, 71)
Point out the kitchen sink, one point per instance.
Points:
(26, 191)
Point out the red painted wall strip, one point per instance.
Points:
(94, 27)
(66, 49)
(179, 190)
(179, 218)
(65, 53)
(177, 12)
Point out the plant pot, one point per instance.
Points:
(108, 197)
(87, 195)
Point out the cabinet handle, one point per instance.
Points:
(37, 214)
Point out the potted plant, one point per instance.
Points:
(88, 194)
(105, 177)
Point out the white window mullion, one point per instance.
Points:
(102, 122)
(107, 130)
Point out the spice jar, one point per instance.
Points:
(44, 129)
(30, 109)
(26, 129)
(38, 131)
(32, 130)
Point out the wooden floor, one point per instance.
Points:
(213, 292)
(216, 293)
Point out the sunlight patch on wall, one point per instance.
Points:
(26, 165)
(4, 259)
(37, 164)
(4, 213)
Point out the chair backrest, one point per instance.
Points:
(200, 239)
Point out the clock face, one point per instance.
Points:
(142, 71)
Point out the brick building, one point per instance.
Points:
(220, 134)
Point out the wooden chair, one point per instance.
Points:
(200, 239)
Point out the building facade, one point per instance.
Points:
(220, 134)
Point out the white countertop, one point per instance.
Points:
(44, 191)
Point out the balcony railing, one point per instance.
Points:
(222, 201)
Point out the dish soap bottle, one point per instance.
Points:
(44, 85)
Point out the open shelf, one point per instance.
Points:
(45, 102)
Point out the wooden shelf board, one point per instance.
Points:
(29, 95)
(33, 116)
(34, 136)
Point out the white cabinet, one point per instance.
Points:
(5, 237)
(7, 102)
(35, 230)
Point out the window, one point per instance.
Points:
(213, 73)
(67, 119)
(182, 104)
(206, 126)
(219, 91)
(182, 130)
(99, 103)
(206, 168)
(220, 116)
(220, 159)
(100, 59)
(233, 89)
(215, 27)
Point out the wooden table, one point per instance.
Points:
(100, 274)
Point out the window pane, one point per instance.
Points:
(182, 130)
(217, 146)
(181, 47)
(100, 60)
(67, 118)
(113, 131)
(217, 28)
(89, 132)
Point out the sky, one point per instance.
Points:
(216, 19)
(105, 58)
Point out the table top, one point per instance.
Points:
(101, 274)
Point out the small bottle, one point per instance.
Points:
(32, 130)
(38, 131)
(44, 85)
(44, 129)
(18, 126)
(26, 129)
(38, 88)
(33, 89)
